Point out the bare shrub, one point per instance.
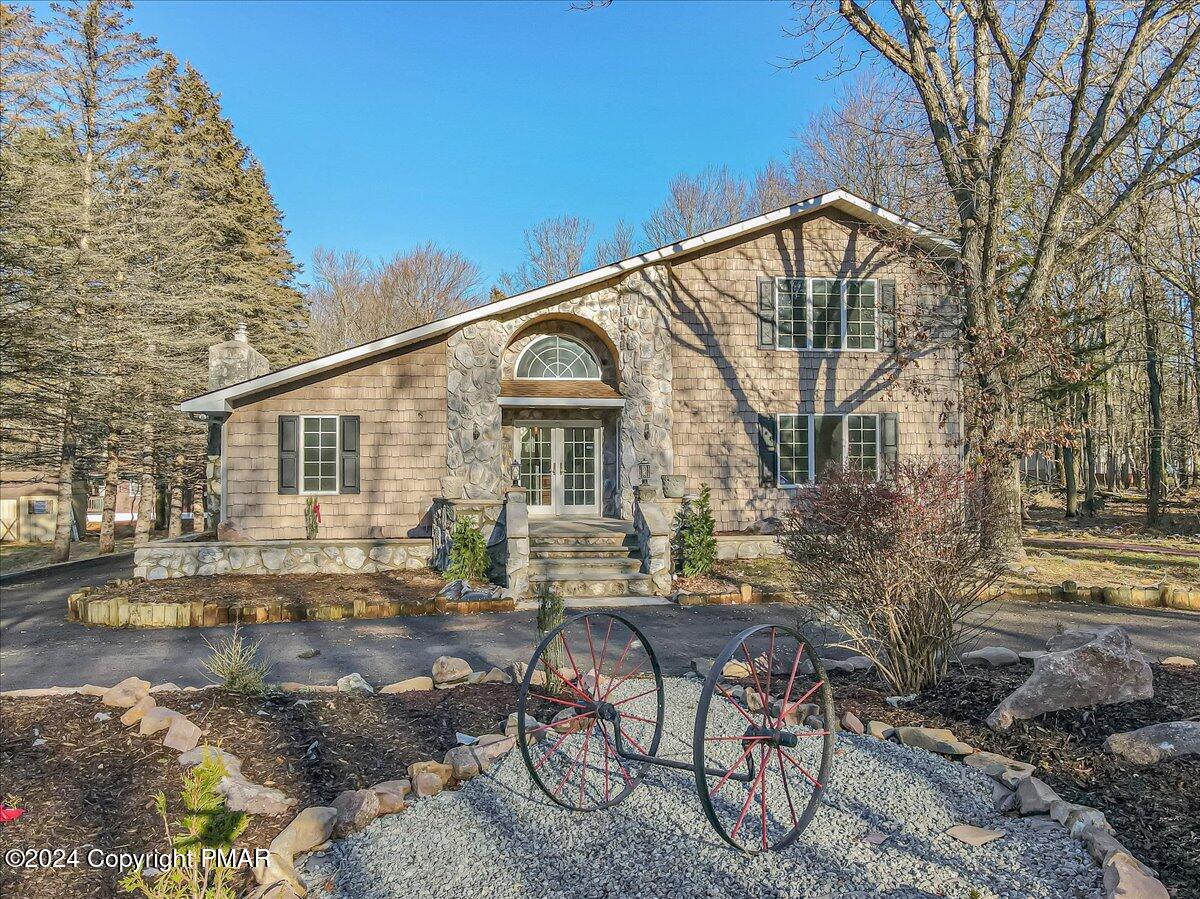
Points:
(897, 564)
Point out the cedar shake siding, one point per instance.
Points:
(722, 379)
(401, 405)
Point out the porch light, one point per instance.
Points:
(644, 470)
(515, 471)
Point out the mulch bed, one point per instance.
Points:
(93, 783)
(1155, 809)
(257, 590)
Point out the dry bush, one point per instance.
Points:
(897, 565)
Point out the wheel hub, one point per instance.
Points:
(770, 736)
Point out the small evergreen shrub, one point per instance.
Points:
(235, 663)
(468, 552)
(697, 543)
(206, 824)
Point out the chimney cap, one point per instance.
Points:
(240, 333)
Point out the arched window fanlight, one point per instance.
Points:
(558, 357)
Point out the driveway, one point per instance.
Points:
(39, 648)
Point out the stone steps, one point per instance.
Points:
(588, 583)
(586, 551)
(584, 566)
(580, 561)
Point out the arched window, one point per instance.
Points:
(557, 357)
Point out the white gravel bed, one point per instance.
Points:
(500, 837)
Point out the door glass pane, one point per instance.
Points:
(534, 456)
(579, 467)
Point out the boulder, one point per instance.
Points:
(702, 666)
(1034, 796)
(96, 692)
(933, 739)
(838, 665)
(1100, 844)
(355, 810)
(168, 687)
(994, 765)
(1181, 661)
(1031, 655)
(392, 795)
(1003, 799)
(1148, 745)
(242, 795)
(156, 719)
(495, 676)
(279, 870)
(1074, 638)
(495, 746)
(510, 727)
(467, 762)
(1105, 670)
(440, 770)
(734, 668)
(1125, 878)
(991, 656)
(126, 694)
(137, 712)
(427, 784)
(182, 735)
(851, 723)
(411, 685)
(453, 590)
(307, 830)
(193, 757)
(859, 663)
(881, 730)
(450, 670)
(354, 683)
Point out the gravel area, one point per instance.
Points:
(499, 837)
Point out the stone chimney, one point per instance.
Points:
(234, 360)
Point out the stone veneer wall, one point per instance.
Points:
(168, 559)
(722, 380)
(631, 313)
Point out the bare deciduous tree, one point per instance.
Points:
(696, 204)
(354, 300)
(618, 246)
(554, 249)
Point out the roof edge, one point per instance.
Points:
(221, 400)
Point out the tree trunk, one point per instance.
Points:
(175, 524)
(1069, 479)
(1089, 454)
(112, 475)
(198, 522)
(146, 505)
(1154, 452)
(64, 514)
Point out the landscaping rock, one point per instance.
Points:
(193, 757)
(1100, 844)
(495, 676)
(450, 671)
(168, 687)
(467, 762)
(102, 716)
(510, 727)
(392, 795)
(1003, 799)
(991, 656)
(702, 666)
(881, 730)
(734, 668)
(859, 663)
(831, 665)
(994, 765)
(440, 770)
(1181, 661)
(453, 590)
(427, 784)
(354, 683)
(182, 735)
(933, 739)
(93, 690)
(1035, 796)
(308, 653)
(307, 830)
(411, 685)
(1125, 878)
(973, 836)
(355, 810)
(277, 869)
(1104, 670)
(851, 723)
(495, 746)
(242, 795)
(1031, 655)
(897, 701)
(1074, 637)
(1148, 745)
(156, 719)
(126, 694)
(137, 712)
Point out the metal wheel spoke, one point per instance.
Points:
(632, 698)
(786, 789)
(620, 662)
(799, 767)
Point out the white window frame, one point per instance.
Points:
(812, 445)
(337, 457)
(536, 340)
(843, 291)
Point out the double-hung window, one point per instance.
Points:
(808, 445)
(826, 314)
(319, 454)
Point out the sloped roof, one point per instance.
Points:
(223, 400)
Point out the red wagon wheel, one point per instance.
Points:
(595, 691)
(764, 738)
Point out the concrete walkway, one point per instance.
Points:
(40, 648)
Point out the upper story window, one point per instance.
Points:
(558, 357)
(826, 314)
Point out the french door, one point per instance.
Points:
(560, 466)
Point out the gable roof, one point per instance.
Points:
(221, 400)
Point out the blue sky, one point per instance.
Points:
(382, 125)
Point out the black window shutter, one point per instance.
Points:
(349, 454)
(289, 453)
(766, 451)
(766, 313)
(889, 441)
(887, 314)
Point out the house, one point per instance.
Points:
(747, 358)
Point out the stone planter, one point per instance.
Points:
(1176, 597)
(673, 485)
(1132, 597)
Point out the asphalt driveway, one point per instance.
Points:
(40, 648)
